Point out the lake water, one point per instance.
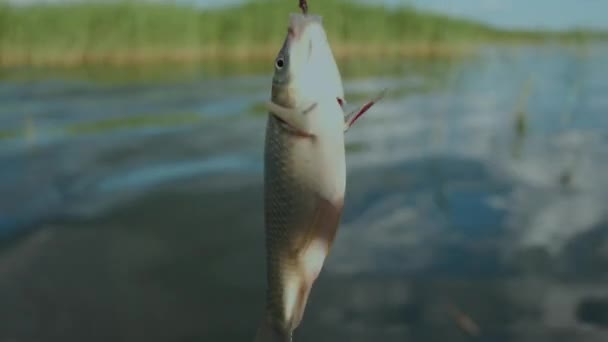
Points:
(131, 203)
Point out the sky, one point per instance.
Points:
(545, 14)
(552, 14)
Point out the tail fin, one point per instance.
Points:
(268, 333)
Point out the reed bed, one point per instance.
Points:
(122, 32)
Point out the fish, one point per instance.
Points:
(304, 172)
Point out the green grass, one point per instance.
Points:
(8, 135)
(141, 121)
(95, 31)
(108, 125)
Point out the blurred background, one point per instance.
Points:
(131, 143)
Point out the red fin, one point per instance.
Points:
(362, 111)
(353, 116)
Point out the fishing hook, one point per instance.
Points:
(304, 6)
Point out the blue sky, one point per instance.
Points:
(552, 14)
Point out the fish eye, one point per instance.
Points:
(280, 63)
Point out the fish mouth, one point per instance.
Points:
(298, 23)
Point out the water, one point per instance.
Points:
(130, 203)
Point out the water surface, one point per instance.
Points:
(131, 203)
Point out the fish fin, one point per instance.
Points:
(312, 255)
(323, 226)
(268, 333)
(328, 219)
(302, 300)
(294, 118)
(356, 114)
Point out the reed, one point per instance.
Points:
(140, 31)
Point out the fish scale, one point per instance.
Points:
(287, 211)
(304, 173)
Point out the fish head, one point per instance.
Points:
(305, 68)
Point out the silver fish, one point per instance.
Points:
(304, 172)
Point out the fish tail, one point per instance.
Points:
(268, 333)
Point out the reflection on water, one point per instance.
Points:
(130, 204)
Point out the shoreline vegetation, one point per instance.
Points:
(140, 32)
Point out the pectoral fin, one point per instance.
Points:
(293, 117)
(350, 118)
